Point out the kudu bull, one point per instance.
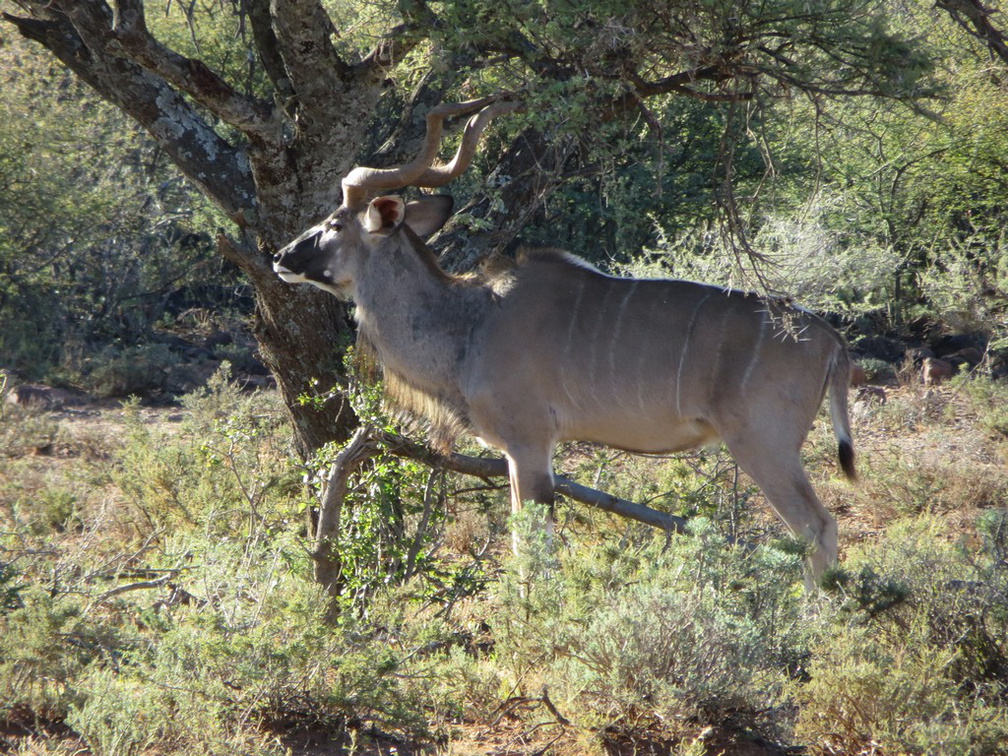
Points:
(553, 350)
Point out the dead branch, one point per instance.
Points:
(327, 562)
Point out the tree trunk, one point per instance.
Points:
(303, 337)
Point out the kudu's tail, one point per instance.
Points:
(839, 382)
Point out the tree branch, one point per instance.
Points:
(399, 41)
(482, 467)
(972, 16)
(78, 34)
(249, 115)
(533, 166)
(368, 442)
(269, 53)
(326, 553)
(678, 83)
(303, 32)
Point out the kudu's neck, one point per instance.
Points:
(418, 319)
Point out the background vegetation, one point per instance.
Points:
(156, 591)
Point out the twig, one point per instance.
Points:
(120, 589)
(553, 710)
(421, 530)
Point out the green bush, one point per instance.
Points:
(918, 662)
(128, 371)
(100, 236)
(225, 468)
(10, 598)
(876, 369)
(391, 522)
(36, 495)
(695, 629)
(201, 629)
(47, 642)
(989, 399)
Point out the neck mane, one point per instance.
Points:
(415, 323)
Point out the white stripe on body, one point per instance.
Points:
(569, 345)
(757, 348)
(685, 349)
(596, 342)
(614, 346)
(642, 358)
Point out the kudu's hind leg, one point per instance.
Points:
(784, 482)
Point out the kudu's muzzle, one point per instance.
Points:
(297, 257)
(301, 250)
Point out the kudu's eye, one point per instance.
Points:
(334, 225)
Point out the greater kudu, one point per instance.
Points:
(551, 349)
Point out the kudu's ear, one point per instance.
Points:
(384, 214)
(423, 216)
(427, 215)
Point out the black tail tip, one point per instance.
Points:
(846, 454)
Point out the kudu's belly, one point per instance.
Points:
(655, 432)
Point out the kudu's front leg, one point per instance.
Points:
(531, 475)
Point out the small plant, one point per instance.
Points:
(48, 509)
(876, 369)
(10, 590)
(23, 430)
(385, 518)
(989, 399)
(129, 371)
(225, 469)
(864, 592)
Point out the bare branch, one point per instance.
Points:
(140, 586)
(368, 442)
(326, 554)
